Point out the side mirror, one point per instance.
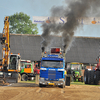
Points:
(42, 49)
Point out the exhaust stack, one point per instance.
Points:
(64, 50)
(42, 48)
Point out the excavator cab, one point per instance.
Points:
(11, 75)
(14, 62)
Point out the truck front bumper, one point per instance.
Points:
(56, 83)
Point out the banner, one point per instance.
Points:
(62, 20)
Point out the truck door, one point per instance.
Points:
(27, 68)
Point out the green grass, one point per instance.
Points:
(27, 81)
(78, 83)
(81, 83)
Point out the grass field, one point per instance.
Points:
(27, 81)
(81, 83)
(78, 83)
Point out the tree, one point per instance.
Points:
(20, 23)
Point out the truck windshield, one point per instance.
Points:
(23, 63)
(28, 66)
(76, 67)
(52, 64)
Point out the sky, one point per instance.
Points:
(40, 8)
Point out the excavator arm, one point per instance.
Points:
(5, 45)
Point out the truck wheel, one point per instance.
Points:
(63, 86)
(67, 82)
(40, 85)
(24, 77)
(97, 75)
(86, 76)
(81, 78)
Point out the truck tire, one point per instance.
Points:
(86, 76)
(81, 78)
(67, 82)
(97, 75)
(63, 86)
(40, 85)
(24, 77)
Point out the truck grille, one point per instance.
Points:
(51, 74)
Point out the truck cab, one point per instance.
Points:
(52, 71)
(27, 71)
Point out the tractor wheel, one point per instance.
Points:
(91, 77)
(24, 77)
(97, 75)
(86, 76)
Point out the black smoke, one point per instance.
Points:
(72, 12)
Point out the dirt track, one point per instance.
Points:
(33, 92)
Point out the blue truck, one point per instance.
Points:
(52, 71)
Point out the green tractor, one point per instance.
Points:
(75, 70)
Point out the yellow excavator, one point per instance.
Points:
(10, 63)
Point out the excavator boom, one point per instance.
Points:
(5, 44)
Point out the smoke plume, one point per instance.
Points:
(73, 11)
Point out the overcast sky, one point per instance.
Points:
(40, 8)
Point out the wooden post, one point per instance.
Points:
(37, 78)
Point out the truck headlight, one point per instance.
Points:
(1, 73)
(61, 79)
(42, 79)
(9, 74)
